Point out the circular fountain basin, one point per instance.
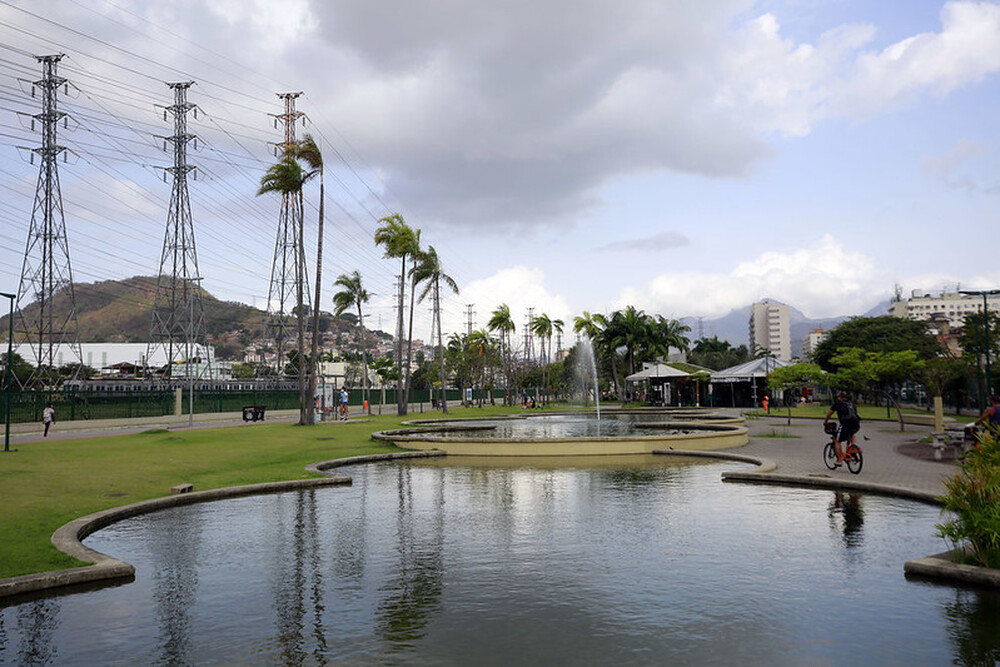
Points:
(573, 434)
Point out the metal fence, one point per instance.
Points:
(75, 404)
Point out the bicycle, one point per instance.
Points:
(853, 456)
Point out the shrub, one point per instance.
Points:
(973, 497)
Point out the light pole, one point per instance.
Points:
(190, 350)
(9, 371)
(986, 331)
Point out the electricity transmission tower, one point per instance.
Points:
(46, 276)
(288, 270)
(178, 321)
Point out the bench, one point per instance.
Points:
(253, 413)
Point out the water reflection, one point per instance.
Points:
(974, 627)
(175, 553)
(36, 624)
(413, 594)
(847, 517)
(615, 561)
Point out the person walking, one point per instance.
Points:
(48, 418)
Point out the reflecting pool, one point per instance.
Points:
(630, 560)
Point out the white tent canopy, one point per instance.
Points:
(657, 371)
(745, 372)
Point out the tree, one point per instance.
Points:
(386, 371)
(307, 151)
(793, 377)
(288, 178)
(877, 334)
(400, 241)
(860, 371)
(717, 354)
(428, 270)
(353, 294)
(972, 340)
(502, 322)
(541, 326)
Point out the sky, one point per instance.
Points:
(687, 157)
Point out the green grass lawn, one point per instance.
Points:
(49, 483)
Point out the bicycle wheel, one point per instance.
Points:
(830, 456)
(855, 461)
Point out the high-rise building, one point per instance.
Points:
(770, 329)
(811, 340)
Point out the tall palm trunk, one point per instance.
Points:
(437, 317)
(305, 410)
(314, 356)
(409, 341)
(400, 398)
(365, 393)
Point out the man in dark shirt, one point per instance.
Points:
(850, 423)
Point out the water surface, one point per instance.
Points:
(630, 560)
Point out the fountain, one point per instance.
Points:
(578, 433)
(588, 363)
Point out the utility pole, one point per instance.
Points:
(288, 271)
(469, 313)
(46, 275)
(529, 338)
(178, 320)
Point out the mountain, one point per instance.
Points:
(734, 327)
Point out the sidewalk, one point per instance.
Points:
(801, 458)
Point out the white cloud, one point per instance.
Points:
(783, 86)
(519, 287)
(824, 279)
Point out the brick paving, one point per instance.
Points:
(884, 465)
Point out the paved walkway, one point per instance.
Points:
(884, 467)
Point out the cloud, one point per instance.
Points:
(823, 279)
(785, 87)
(957, 166)
(519, 287)
(656, 242)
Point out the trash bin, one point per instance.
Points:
(253, 413)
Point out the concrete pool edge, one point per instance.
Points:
(69, 537)
(106, 569)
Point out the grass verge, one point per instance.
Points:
(48, 483)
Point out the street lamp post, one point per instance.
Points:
(9, 371)
(986, 331)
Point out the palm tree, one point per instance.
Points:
(287, 178)
(415, 253)
(541, 326)
(399, 241)
(353, 293)
(307, 151)
(502, 321)
(428, 270)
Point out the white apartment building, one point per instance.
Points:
(923, 306)
(770, 329)
(811, 341)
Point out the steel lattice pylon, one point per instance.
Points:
(288, 271)
(178, 320)
(46, 276)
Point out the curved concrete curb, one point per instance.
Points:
(943, 566)
(323, 466)
(825, 482)
(68, 538)
(763, 465)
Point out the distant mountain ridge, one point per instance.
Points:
(734, 326)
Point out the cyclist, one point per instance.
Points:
(850, 423)
(990, 414)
